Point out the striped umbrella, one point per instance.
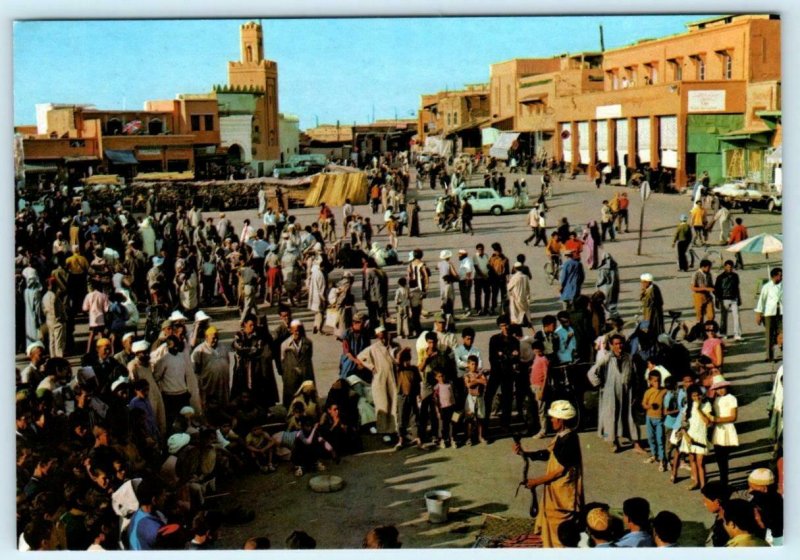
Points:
(763, 244)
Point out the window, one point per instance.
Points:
(653, 70)
(676, 65)
(727, 65)
(485, 195)
(209, 124)
(700, 67)
(195, 122)
(455, 118)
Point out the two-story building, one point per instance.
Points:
(454, 117)
(686, 103)
(74, 141)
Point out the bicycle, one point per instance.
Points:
(708, 253)
(552, 269)
(562, 387)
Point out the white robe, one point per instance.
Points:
(384, 387)
(519, 295)
(316, 289)
(148, 238)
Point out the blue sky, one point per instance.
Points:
(329, 69)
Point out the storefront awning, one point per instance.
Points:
(745, 134)
(467, 126)
(122, 157)
(504, 143)
(81, 159)
(41, 168)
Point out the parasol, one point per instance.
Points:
(763, 244)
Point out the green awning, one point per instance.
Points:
(40, 168)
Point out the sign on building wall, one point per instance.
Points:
(602, 141)
(703, 100)
(148, 151)
(608, 112)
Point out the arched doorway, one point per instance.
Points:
(235, 153)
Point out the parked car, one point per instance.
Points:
(289, 170)
(486, 200)
(313, 162)
(749, 194)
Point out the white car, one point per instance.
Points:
(486, 200)
(746, 194)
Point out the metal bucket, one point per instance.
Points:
(438, 503)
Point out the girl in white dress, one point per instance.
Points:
(695, 437)
(724, 437)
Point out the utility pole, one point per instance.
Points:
(602, 42)
(644, 194)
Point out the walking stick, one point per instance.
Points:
(534, 509)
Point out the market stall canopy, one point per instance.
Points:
(101, 180)
(438, 145)
(122, 157)
(165, 176)
(334, 188)
(489, 136)
(504, 143)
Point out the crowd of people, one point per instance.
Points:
(122, 443)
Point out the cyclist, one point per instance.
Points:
(553, 251)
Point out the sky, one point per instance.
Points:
(328, 69)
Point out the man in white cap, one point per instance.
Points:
(297, 364)
(562, 482)
(466, 272)
(171, 371)
(760, 480)
(380, 358)
(32, 375)
(125, 355)
(652, 304)
(140, 369)
(201, 322)
(445, 268)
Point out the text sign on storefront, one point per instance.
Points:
(706, 100)
(608, 111)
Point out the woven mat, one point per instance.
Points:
(507, 532)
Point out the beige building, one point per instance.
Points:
(686, 103)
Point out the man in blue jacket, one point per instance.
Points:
(147, 520)
(571, 279)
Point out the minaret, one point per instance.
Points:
(254, 74)
(252, 41)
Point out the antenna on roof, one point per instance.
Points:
(602, 42)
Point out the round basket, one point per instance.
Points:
(325, 483)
